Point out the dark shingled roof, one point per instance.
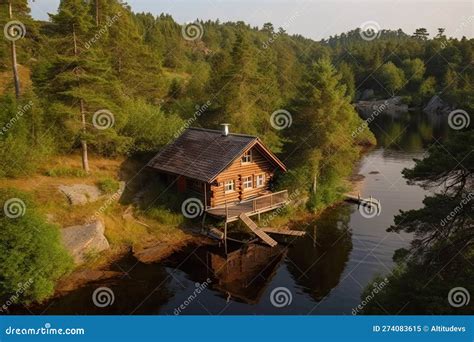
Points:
(203, 153)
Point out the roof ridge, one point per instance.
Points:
(218, 131)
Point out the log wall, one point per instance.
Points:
(236, 171)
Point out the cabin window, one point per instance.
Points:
(247, 157)
(247, 182)
(229, 185)
(260, 180)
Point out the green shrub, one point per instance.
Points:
(108, 185)
(65, 172)
(32, 257)
(24, 143)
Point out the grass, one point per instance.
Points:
(65, 172)
(165, 216)
(124, 232)
(108, 185)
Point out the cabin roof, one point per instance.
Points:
(203, 154)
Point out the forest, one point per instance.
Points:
(99, 80)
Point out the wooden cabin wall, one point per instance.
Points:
(236, 171)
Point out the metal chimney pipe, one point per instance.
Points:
(225, 129)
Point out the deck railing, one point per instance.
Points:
(268, 201)
(256, 205)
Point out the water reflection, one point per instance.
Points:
(244, 273)
(410, 131)
(317, 261)
(143, 289)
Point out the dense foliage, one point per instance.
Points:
(35, 257)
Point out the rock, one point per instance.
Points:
(155, 253)
(392, 106)
(80, 278)
(121, 189)
(82, 240)
(436, 106)
(367, 94)
(79, 194)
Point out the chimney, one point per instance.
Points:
(225, 129)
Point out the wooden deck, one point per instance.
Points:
(258, 205)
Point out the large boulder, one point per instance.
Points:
(79, 194)
(393, 106)
(436, 106)
(80, 241)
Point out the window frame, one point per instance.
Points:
(263, 180)
(229, 182)
(246, 155)
(248, 182)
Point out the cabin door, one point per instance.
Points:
(181, 184)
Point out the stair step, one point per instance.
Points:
(260, 233)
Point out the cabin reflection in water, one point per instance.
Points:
(315, 261)
(243, 274)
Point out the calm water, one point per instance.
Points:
(325, 271)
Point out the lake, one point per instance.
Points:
(324, 272)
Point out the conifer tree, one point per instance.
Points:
(79, 79)
(324, 122)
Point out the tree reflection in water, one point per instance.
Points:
(318, 260)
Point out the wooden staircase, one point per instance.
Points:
(254, 228)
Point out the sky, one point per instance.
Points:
(316, 19)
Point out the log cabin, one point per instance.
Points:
(230, 173)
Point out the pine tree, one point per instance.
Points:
(324, 121)
(79, 80)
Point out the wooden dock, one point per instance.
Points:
(363, 201)
(286, 232)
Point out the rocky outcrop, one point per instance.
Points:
(154, 251)
(79, 194)
(436, 106)
(80, 241)
(392, 106)
(152, 254)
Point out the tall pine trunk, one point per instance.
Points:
(314, 187)
(97, 22)
(85, 158)
(16, 78)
